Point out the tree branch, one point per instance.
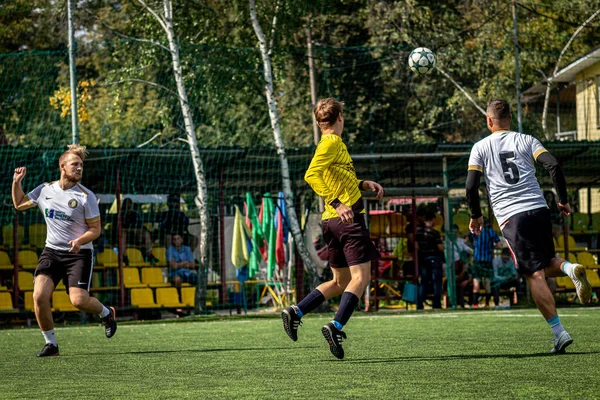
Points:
(140, 81)
(116, 32)
(154, 14)
(273, 25)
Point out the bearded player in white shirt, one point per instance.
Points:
(508, 160)
(73, 222)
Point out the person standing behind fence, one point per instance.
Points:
(332, 176)
(482, 271)
(430, 248)
(73, 221)
(508, 159)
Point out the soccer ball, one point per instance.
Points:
(421, 60)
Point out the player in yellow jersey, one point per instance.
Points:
(331, 175)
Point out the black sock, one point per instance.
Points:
(475, 298)
(311, 301)
(348, 303)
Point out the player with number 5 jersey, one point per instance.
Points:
(508, 159)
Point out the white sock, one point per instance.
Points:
(105, 311)
(49, 336)
(567, 267)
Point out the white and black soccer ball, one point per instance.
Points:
(421, 60)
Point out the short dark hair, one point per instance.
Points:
(498, 109)
(327, 111)
(429, 216)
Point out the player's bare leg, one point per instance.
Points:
(545, 303)
(82, 300)
(43, 288)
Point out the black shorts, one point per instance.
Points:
(75, 269)
(529, 238)
(348, 244)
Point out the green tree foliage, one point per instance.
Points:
(360, 52)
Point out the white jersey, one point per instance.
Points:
(67, 213)
(508, 161)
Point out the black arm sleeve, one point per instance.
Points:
(557, 175)
(473, 179)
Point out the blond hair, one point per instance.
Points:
(327, 111)
(74, 149)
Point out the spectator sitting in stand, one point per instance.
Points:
(505, 275)
(175, 220)
(181, 262)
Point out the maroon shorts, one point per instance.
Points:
(348, 244)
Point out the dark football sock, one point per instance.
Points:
(311, 301)
(348, 303)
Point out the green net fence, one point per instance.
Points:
(130, 117)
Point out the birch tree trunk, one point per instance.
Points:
(309, 264)
(201, 199)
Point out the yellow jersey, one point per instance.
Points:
(332, 176)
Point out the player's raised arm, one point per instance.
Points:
(20, 199)
(558, 180)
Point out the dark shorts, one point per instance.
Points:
(75, 269)
(529, 237)
(348, 244)
(482, 269)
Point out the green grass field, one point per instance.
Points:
(469, 354)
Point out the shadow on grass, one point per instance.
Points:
(217, 350)
(463, 357)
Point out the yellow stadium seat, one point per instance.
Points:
(7, 235)
(161, 254)
(6, 301)
(61, 285)
(379, 225)
(131, 278)
(107, 259)
(571, 241)
(587, 259)
(3, 289)
(397, 225)
(28, 301)
(462, 220)
(188, 296)
(572, 257)
(565, 282)
(5, 262)
(37, 235)
(168, 297)
(28, 259)
(143, 298)
(153, 277)
(136, 259)
(62, 302)
(593, 278)
(25, 281)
